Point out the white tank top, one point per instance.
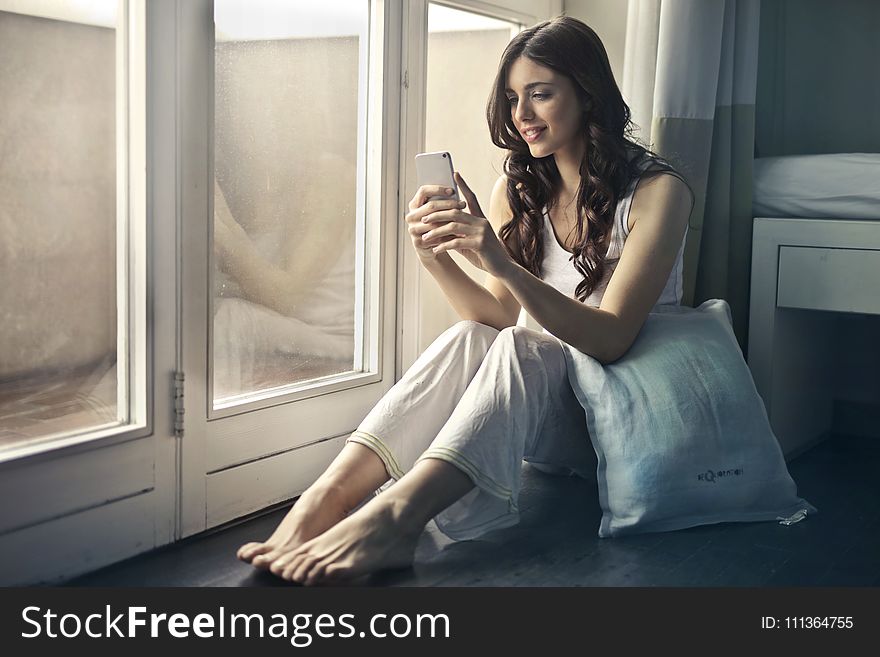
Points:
(558, 270)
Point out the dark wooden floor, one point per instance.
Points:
(556, 543)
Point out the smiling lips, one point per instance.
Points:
(532, 134)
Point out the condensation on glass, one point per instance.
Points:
(58, 219)
(286, 139)
(464, 50)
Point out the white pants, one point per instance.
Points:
(483, 400)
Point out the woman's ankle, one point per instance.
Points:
(331, 491)
(409, 514)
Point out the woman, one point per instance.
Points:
(453, 432)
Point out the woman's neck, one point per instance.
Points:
(568, 163)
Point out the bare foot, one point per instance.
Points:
(316, 510)
(373, 538)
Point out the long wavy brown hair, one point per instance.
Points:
(611, 159)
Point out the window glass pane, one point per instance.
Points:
(464, 50)
(288, 137)
(58, 219)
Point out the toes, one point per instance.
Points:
(289, 569)
(245, 549)
(248, 551)
(264, 561)
(302, 571)
(292, 566)
(316, 574)
(281, 563)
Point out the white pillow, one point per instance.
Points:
(681, 435)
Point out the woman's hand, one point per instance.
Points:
(419, 208)
(441, 225)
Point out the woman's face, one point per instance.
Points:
(544, 108)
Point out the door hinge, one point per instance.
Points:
(406, 79)
(178, 404)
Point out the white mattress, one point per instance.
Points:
(838, 186)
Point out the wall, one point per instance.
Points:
(818, 79)
(608, 20)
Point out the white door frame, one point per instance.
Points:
(87, 501)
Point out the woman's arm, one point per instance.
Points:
(662, 207)
(467, 297)
(493, 304)
(588, 329)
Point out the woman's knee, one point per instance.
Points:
(469, 328)
(523, 343)
(466, 336)
(519, 336)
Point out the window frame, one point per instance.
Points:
(134, 349)
(95, 498)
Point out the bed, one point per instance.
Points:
(815, 247)
(839, 185)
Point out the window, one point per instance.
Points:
(289, 148)
(69, 341)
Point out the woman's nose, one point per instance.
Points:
(523, 111)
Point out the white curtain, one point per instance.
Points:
(690, 75)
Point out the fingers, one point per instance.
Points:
(427, 191)
(450, 229)
(433, 233)
(438, 207)
(471, 198)
(456, 243)
(418, 229)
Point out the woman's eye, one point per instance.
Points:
(512, 100)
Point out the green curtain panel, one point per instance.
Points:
(690, 75)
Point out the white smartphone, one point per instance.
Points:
(436, 169)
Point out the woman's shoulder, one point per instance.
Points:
(501, 183)
(640, 159)
(652, 170)
(660, 193)
(499, 208)
(648, 164)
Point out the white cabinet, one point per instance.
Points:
(804, 271)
